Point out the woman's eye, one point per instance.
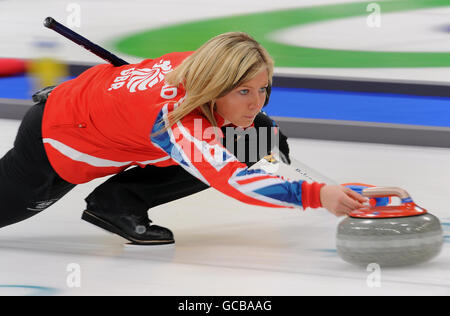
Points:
(244, 92)
(264, 89)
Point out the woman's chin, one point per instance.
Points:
(245, 123)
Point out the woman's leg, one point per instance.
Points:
(28, 184)
(138, 189)
(120, 204)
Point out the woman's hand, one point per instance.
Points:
(340, 200)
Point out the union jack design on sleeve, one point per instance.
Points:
(213, 164)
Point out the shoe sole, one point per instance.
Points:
(97, 221)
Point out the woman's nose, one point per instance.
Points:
(257, 101)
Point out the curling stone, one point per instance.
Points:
(391, 235)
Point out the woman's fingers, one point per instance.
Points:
(341, 200)
(356, 195)
(349, 204)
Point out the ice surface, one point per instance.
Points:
(224, 247)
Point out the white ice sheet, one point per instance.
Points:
(224, 247)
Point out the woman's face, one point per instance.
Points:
(241, 105)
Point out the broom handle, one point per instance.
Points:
(51, 23)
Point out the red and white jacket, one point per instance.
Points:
(104, 121)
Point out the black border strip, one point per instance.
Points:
(14, 109)
(78, 68)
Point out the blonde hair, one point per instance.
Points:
(215, 69)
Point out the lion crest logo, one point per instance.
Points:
(142, 79)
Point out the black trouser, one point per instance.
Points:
(28, 183)
(136, 190)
